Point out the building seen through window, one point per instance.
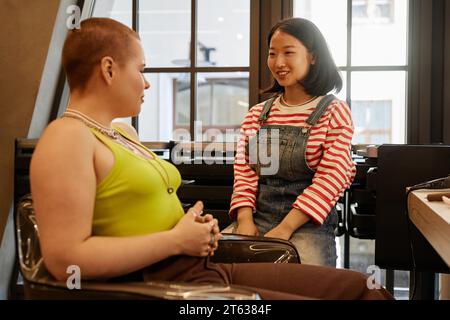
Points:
(373, 11)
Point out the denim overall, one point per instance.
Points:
(277, 192)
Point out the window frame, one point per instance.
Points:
(349, 69)
(193, 69)
(263, 14)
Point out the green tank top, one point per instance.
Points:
(133, 199)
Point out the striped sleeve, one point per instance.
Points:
(245, 185)
(335, 170)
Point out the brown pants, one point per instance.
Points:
(286, 281)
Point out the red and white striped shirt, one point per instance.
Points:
(328, 153)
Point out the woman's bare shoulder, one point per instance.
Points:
(64, 140)
(65, 132)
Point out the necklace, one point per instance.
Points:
(123, 141)
(169, 188)
(296, 105)
(110, 132)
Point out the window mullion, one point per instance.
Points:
(349, 51)
(193, 74)
(135, 26)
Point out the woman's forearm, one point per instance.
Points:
(106, 257)
(244, 214)
(294, 220)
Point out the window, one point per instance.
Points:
(374, 115)
(371, 50)
(119, 10)
(197, 91)
(222, 104)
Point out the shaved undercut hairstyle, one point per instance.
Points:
(97, 38)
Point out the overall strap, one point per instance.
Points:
(266, 110)
(320, 109)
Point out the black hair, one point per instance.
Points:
(323, 75)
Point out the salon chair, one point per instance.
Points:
(360, 216)
(39, 284)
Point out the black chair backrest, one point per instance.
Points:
(40, 284)
(207, 171)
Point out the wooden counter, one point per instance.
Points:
(432, 218)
